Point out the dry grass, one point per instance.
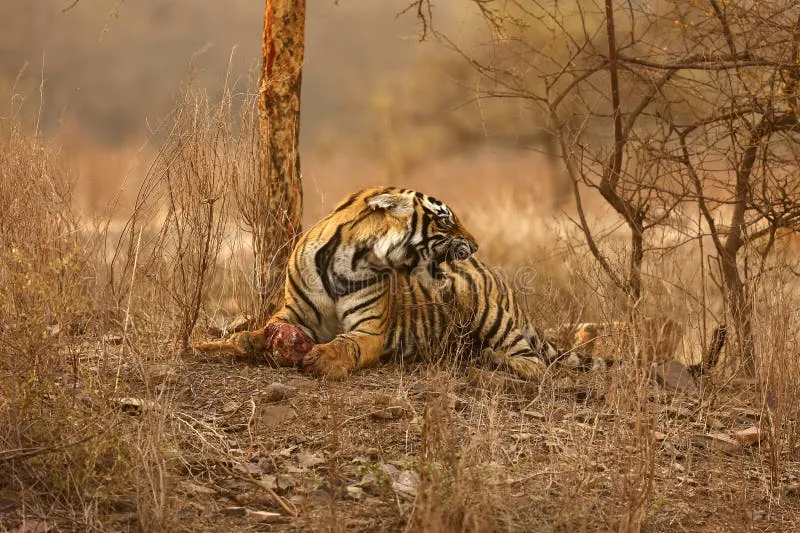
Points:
(106, 425)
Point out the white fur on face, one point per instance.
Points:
(384, 245)
(438, 209)
(396, 204)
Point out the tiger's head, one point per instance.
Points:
(407, 228)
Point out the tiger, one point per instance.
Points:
(384, 274)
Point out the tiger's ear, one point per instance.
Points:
(394, 204)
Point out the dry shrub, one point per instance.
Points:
(777, 342)
(83, 330)
(179, 221)
(459, 463)
(61, 451)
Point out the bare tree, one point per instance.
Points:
(277, 222)
(666, 110)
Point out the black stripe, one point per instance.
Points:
(362, 305)
(324, 259)
(358, 255)
(361, 217)
(509, 323)
(518, 338)
(430, 315)
(494, 327)
(304, 297)
(297, 316)
(347, 203)
(364, 319)
(426, 222)
(346, 287)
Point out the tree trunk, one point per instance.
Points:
(279, 128)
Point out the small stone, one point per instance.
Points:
(389, 470)
(234, 511)
(355, 493)
(748, 436)
(406, 484)
(276, 392)
(389, 408)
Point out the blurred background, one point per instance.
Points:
(379, 106)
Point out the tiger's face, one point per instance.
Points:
(421, 230)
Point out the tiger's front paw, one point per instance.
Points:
(324, 361)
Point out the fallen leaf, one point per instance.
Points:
(748, 436)
(265, 516)
(309, 460)
(249, 468)
(284, 482)
(272, 415)
(718, 441)
(268, 481)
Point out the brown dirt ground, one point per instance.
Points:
(448, 449)
(423, 447)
